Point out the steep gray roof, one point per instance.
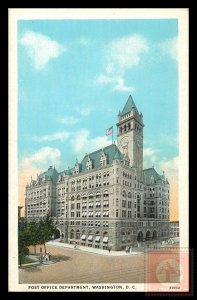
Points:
(151, 172)
(50, 174)
(112, 153)
(130, 104)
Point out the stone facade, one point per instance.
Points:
(107, 199)
(174, 229)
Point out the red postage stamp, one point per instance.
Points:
(167, 270)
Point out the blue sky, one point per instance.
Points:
(73, 78)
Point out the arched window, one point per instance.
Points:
(125, 128)
(129, 126)
(138, 197)
(98, 195)
(106, 194)
(124, 194)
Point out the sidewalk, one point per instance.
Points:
(36, 261)
(93, 250)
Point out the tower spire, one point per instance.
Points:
(130, 104)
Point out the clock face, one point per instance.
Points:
(124, 143)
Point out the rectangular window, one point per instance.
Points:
(117, 213)
(124, 214)
(123, 203)
(129, 214)
(129, 204)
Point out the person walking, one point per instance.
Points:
(130, 249)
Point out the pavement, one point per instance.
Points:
(36, 261)
(92, 250)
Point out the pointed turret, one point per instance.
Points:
(130, 104)
(130, 135)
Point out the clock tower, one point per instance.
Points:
(130, 135)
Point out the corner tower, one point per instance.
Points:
(130, 135)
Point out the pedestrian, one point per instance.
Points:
(126, 249)
(130, 249)
(109, 248)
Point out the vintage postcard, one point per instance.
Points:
(98, 150)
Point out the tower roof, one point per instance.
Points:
(151, 174)
(130, 104)
(50, 174)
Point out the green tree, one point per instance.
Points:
(45, 231)
(32, 234)
(23, 241)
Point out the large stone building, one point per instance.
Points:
(107, 199)
(174, 229)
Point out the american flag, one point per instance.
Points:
(109, 131)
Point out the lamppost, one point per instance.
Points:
(41, 255)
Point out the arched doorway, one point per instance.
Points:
(154, 235)
(148, 235)
(72, 234)
(140, 236)
(77, 235)
(123, 237)
(56, 233)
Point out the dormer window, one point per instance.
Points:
(103, 160)
(89, 164)
(152, 180)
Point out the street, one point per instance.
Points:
(76, 266)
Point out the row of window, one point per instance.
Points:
(90, 214)
(90, 205)
(90, 223)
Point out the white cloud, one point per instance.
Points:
(61, 136)
(121, 55)
(125, 53)
(149, 152)
(150, 157)
(41, 159)
(170, 166)
(82, 143)
(40, 48)
(117, 82)
(120, 86)
(69, 120)
(83, 111)
(170, 47)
